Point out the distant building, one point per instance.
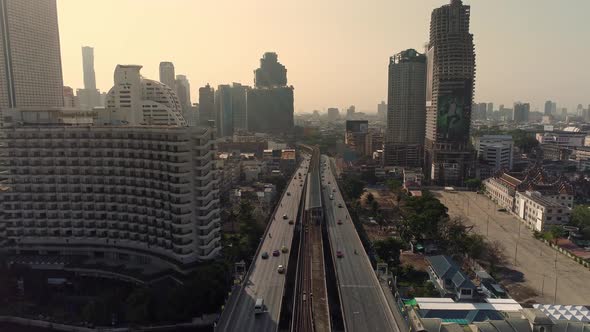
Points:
(89, 97)
(540, 213)
(270, 103)
(548, 108)
(449, 279)
(69, 99)
(558, 145)
(135, 100)
(231, 108)
(494, 152)
(450, 82)
(350, 112)
(333, 114)
(406, 113)
(357, 137)
(521, 112)
(30, 58)
(490, 109)
(382, 110)
(167, 74)
(183, 92)
(206, 105)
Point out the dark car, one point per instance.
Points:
(264, 255)
(276, 253)
(339, 222)
(339, 254)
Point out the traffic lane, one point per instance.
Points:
(262, 275)
(358, 284)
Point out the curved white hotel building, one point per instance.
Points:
(130, 183)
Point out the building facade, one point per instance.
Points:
(521, 112)
(145, 194)
(30, 59)
(183, 92)
(270, 103)
(168, 74)
(135, 100)
(495, 151)
(406, 110)
(449, 95)
(540, 213)
(206, 105)
(357, 137)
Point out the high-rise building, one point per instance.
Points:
(350, 112)
(183, 91)
(357, 137)
(88, 67)
(548, 108)
(270, 103)
(140, 194)
(382, 110)
(167, 74)
(135, 100)
(406, 109)
(206, 105)
(30, 59)
(490, 109)
(271, 73)
(89, 96)
(449, 95)
(231, 108)
(69, 99)
(554, 108)
(521, 112)
(333, 113)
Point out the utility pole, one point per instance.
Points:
(555, 295)
(517, 240)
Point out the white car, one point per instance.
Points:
(281, 269)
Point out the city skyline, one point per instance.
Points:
(391, 27)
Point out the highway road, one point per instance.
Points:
(263, 280)
(364, 306)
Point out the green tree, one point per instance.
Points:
(248, 226)
(375, 207)
(581, 216)
(394, 185)
(473, 183)
(388, 250)
(352, 186)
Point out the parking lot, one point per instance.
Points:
(538, 263)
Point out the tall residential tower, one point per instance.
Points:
(167, 74)
(406, 110)
(449, 159)
(30, 59)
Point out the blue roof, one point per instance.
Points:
(446, 269)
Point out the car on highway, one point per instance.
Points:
(285, 217)
(276, 253)
(284, 249)
(331, 197)
(259, 306)
(264, 255)
(339, 205)
(334, 190)
(291, 222)
(502, 210)
(339, 254)
(281, 269)
(339, 222)
(288, 193)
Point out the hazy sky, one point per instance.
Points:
(336, 51)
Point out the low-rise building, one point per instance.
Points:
(538, 212)
(449, 278)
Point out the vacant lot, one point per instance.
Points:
(532, 264)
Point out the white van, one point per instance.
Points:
(259, 306)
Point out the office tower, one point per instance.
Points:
(449, 95)
(135, 100)
(548, 108)
(69, 99)
(239, 105)
(333, 114)
(357, 138)
(496, 151)
(271, 73)
(382, 110)
(30, 59)
(183, 92)
(554, 108)
(521, 112)
(350, 112)
(490, 110)
(89, 97)
(580, 110)
(167, 74)
(88, 67)
(270, 102)
(406, 109)
(206, 105)
(124, 193)
(480, 111)
(223, 111)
